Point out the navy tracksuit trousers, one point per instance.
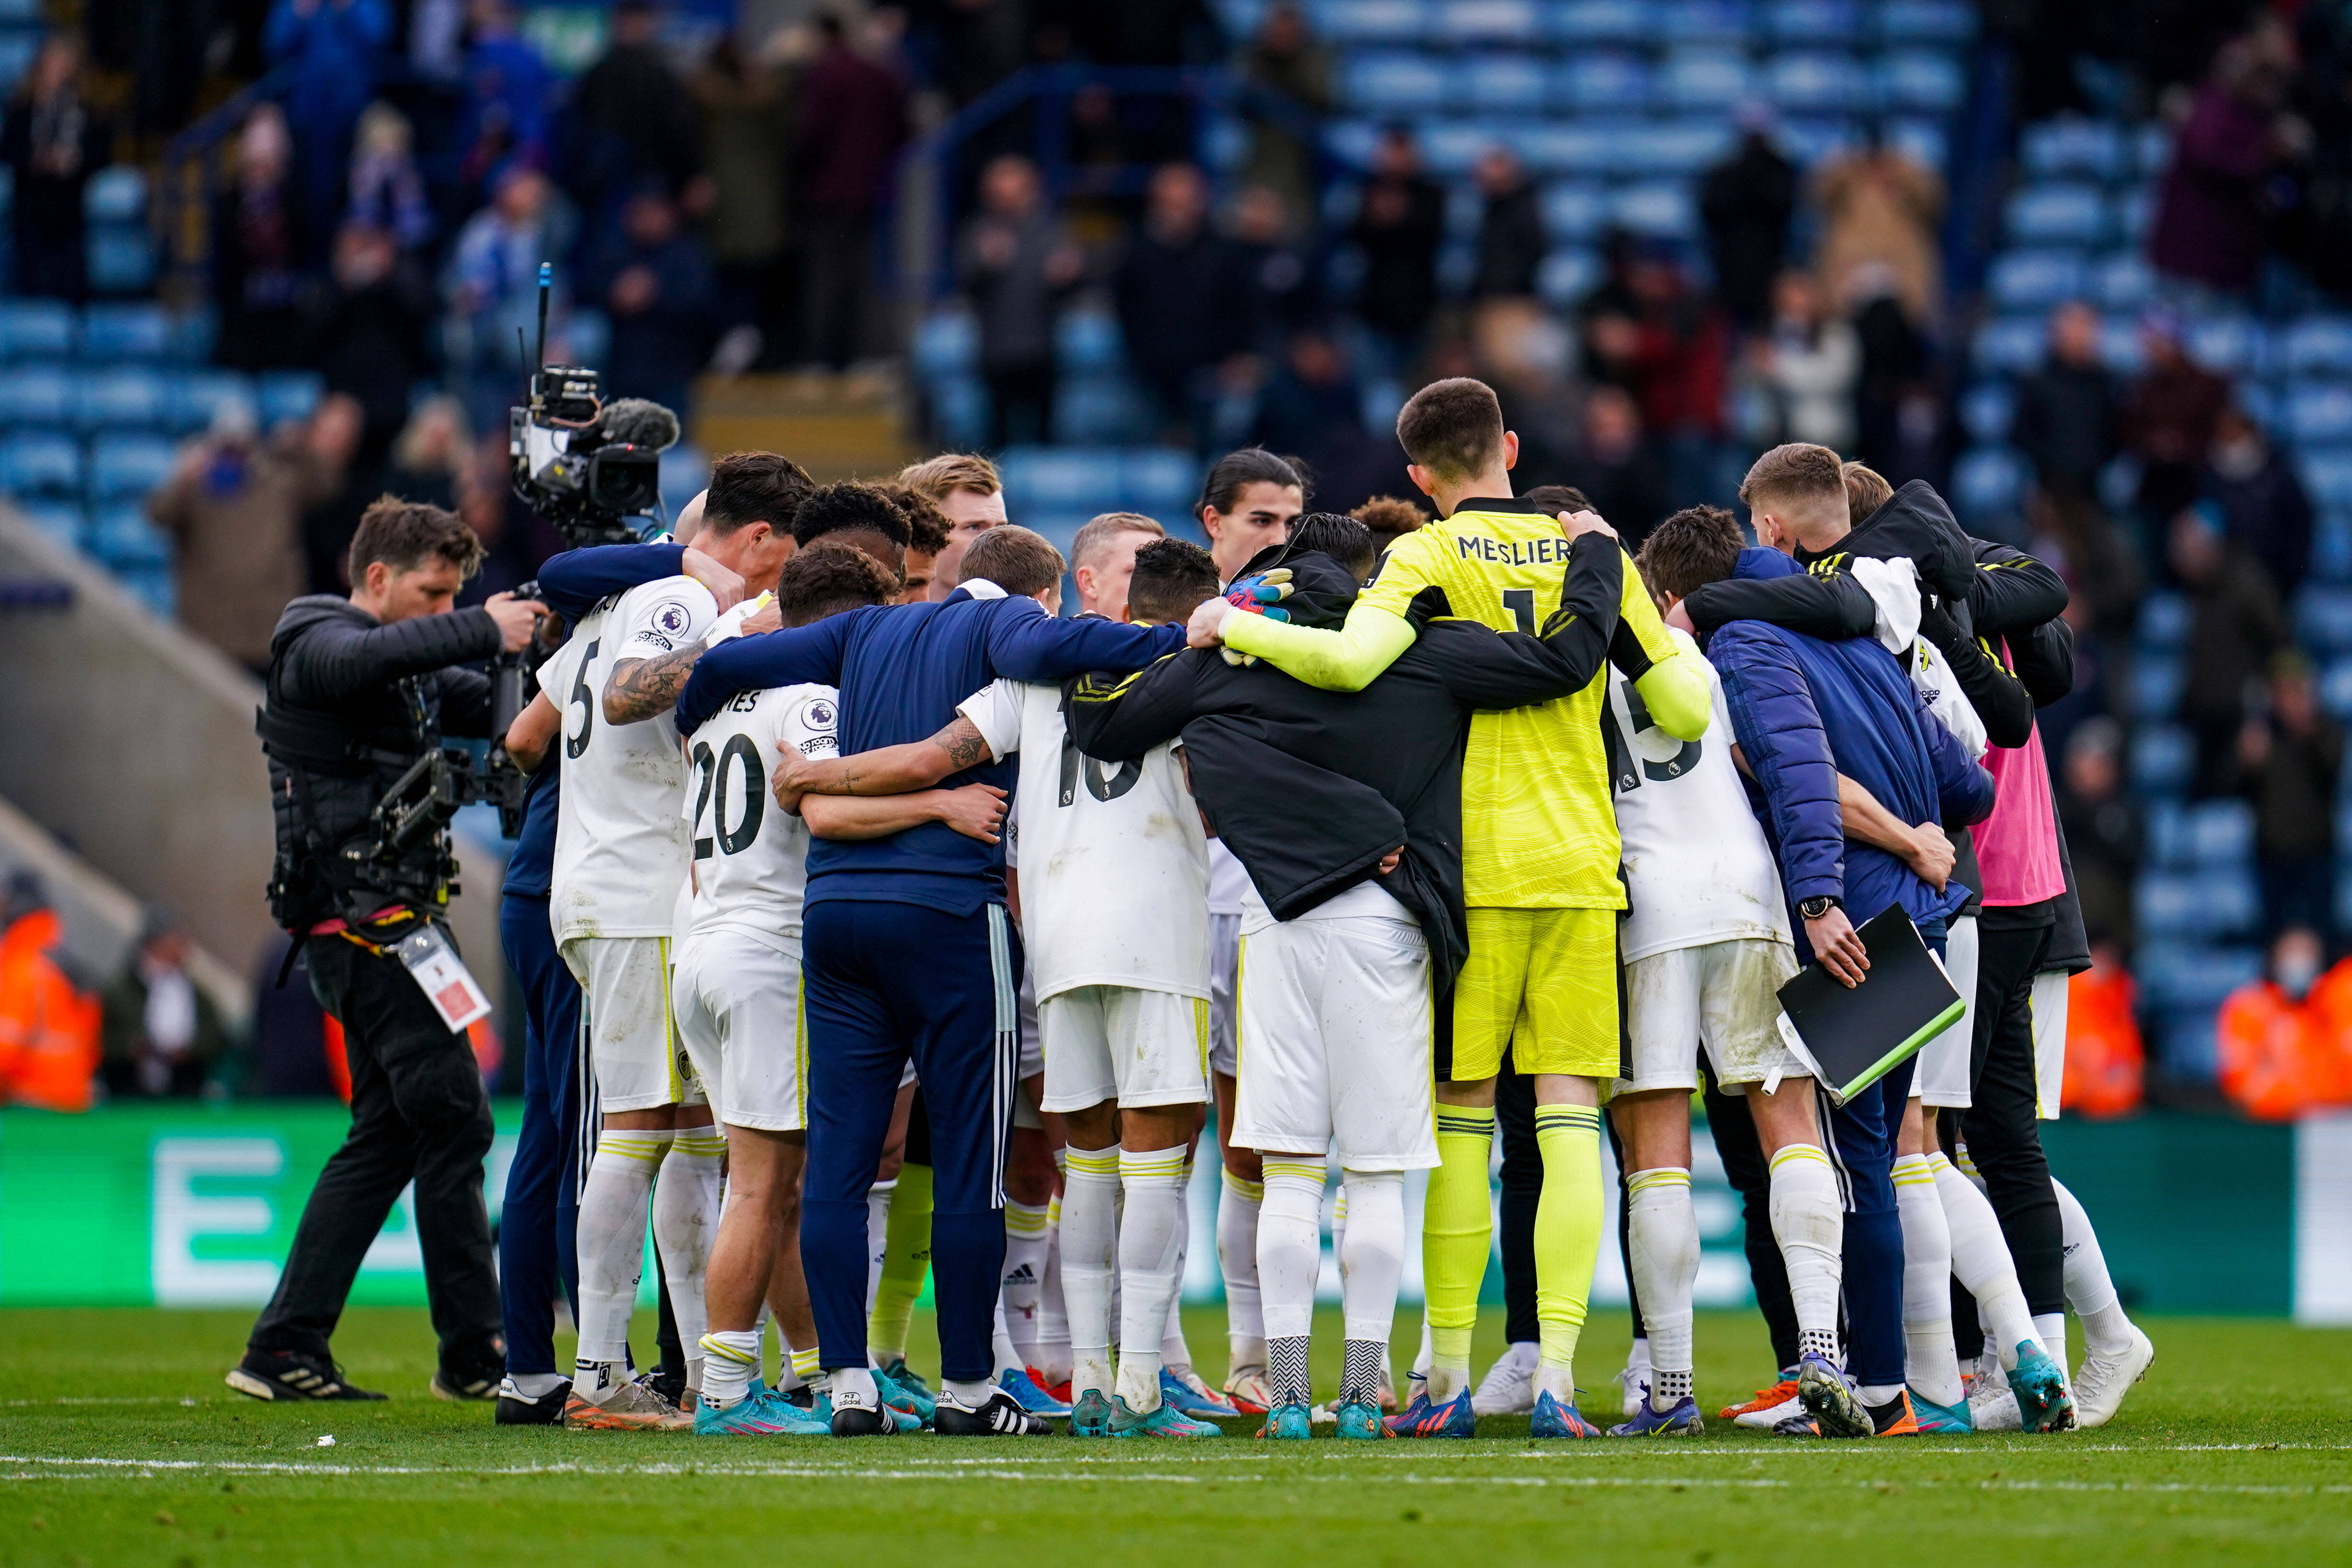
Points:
(539, 1224)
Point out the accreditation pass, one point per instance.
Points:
(443, 976)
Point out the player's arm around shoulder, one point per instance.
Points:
(1666, 674)
(1118, 717)
(1379, 628)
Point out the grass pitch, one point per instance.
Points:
(120, 1445)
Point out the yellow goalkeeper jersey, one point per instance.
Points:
(1538, 822)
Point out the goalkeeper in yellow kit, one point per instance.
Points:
(1540, 859)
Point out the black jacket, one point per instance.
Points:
(1310, 789)
(350, 704)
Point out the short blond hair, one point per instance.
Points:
(1012, 558)
(1796, 471)
(1866, 490)
(1098, 531)
(942, 476)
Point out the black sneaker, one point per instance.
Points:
(289, 1375)
(862, 1421)
(516, 1409)
(459, 1387)
(803, 1396)
(1000, 1416)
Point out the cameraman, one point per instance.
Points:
(357, 691)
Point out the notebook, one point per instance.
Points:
(1856, 1036)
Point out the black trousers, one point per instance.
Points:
(418, 1113)
(1522, 1190)
(2002, 1125)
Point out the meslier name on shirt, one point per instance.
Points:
(1545, 550)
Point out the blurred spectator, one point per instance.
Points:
(2210, 216)
(492, 290)
(2067, 411)
(159, 1031)
(747, 122)
(2168, 417)
(1880, 205)
(636, 121)
(2284, 1041)
(1519, 347)
(1923, 438)
(1895, 358)
(1314, 406)
(1616, 469)
(853, 120)
(53, 140)
(2106, 1066)
(1663, 341)
(387, 193)
(1400, 221)
(370, 334)
(1390, 518)
(2102, 568)
(352, 476)
(1746, 202)
(1144, 32)
(233, 507)
(976, 43)
(1018, 266)
(1511, 243)
(509, 96)
(2289, 761)
(1180, 306)
(1284, 60)
(2101, 822)
(429, 457)
(2235, 627)
(1811, 362)
(48, 1026)
(2268, 515)
(656, 284)
(292, 1034)
(1277, 270)
(257, 243)
(335, 48)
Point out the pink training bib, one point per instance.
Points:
(2017, 846)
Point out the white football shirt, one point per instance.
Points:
(620, 843)
(1228, 882)
(750, 856)
(1697, 866)
(1114, 863)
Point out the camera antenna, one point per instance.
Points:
(546, 284)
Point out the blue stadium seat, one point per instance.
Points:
(1567, 276)
(2157, 680)
(1369, 21)
(959, 410)
(1817, 80)
(2035, 279)
(126, 398)
(1158, 483)
(1484, 21)
(1923, 140)
(17, 52)
(116, 194)
(684, 469)
(2318, 346)
(2135, 215)
(2265, 405)
(1987, 482)
(59, 520)
(2069, 213)
(2011, 344)
(1084, 480)
(1921, 80)
(2197, 905)
(292, 394)
(1097, 409)
(124, 539)
(1569, 147)
(2163, 621)
(1087, 341)
(1698, 21)
(1682, 148)
(1809, 142)
(2319, 413)
(2151, 151)
(26, 12)
(2211, 835)
(1986, 409)
(197, 395)
(2323, 619)
(1393, 83)
(2162, 759)
(1927, 21)
(36, 394)
(2178, 976)
(2124, 282)
(124, 466)
(2120, 348)
(2070, 146)
(128, 332)
(1499, 83)
(2184, 1048)
(588, 337)
(1707, 81)
(1059, 529)
(1574, 211)
(1600, 80)
(1666, 208)
(121, 259)
(1578, 22)
(36, 330)
(1811, 21)
(946, 343)
(2326, 475)
(2331, 552)
(1450, 148)
(2224, 344)
(2335, 688)
(41, 462)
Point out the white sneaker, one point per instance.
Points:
(2102, 1382)
(1509, 1388)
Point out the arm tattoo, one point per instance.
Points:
(962, 743)
(642, 688)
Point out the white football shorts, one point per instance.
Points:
(1722, 996)
(738, 1001)
(1333, 1036)
(2049, 995)
(1940, 1079)
(624, 1002)
(1225, 958)
(1119, 1043)
(1031, 1061)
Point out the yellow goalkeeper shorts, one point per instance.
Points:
(1545, 978)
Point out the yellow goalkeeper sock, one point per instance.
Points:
(1568, 1239)
(906, 1258)
(1457, 1232)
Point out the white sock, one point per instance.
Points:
(2090, 1290)
(970, 1395)
(1809, 1223)
(878, 1233)
(1981, 1263)
(730, 1359)
(854, 1386)
(2050, 1328)
(1662, 1241)
(1373, 1261)
(1150, 1266)
(535, 1385)
(1237, 1208)
(1053, 1313)
(1427, 1354)
(1090, 1190)
(686, 1222)
(1931, 1362)
(1028, 1237)
(615, 1200)
(1174, 1354)
(1001, 1346)
(1289, 1263)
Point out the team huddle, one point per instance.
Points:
(918, 925)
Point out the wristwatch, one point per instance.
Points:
(1813, 908)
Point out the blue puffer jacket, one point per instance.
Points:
(1805, 711)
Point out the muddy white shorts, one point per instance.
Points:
(1722, 996)
(738, 1001)
(1119, 1043)
(1225, 958)
(1941, 1078)
(625, 985)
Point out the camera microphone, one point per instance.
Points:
(638, 423)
